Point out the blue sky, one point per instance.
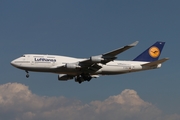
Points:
(85, 28)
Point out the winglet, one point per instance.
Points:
(134, 44)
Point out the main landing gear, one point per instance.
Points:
(27, 75)
(81, 78)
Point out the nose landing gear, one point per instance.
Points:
(27, 75)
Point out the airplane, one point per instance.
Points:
(82, 70)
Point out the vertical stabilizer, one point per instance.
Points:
(152, 53)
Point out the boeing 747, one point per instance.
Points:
(82, 70)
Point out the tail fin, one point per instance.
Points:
(152, 53)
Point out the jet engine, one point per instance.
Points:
(72, 66)
(96, 59)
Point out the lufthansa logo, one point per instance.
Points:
(154, 52)
(44, 60)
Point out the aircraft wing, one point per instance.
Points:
(109, 56)
(92, 62)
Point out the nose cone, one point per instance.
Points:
(16, 62)
(13, 63)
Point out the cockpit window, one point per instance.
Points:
(23, 56)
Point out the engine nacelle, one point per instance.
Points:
(96, 59)
(64, 77)
(71, 66)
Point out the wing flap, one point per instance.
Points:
(155, 63)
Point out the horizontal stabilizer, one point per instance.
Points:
(155, 63)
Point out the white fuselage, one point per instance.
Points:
(54, 63)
